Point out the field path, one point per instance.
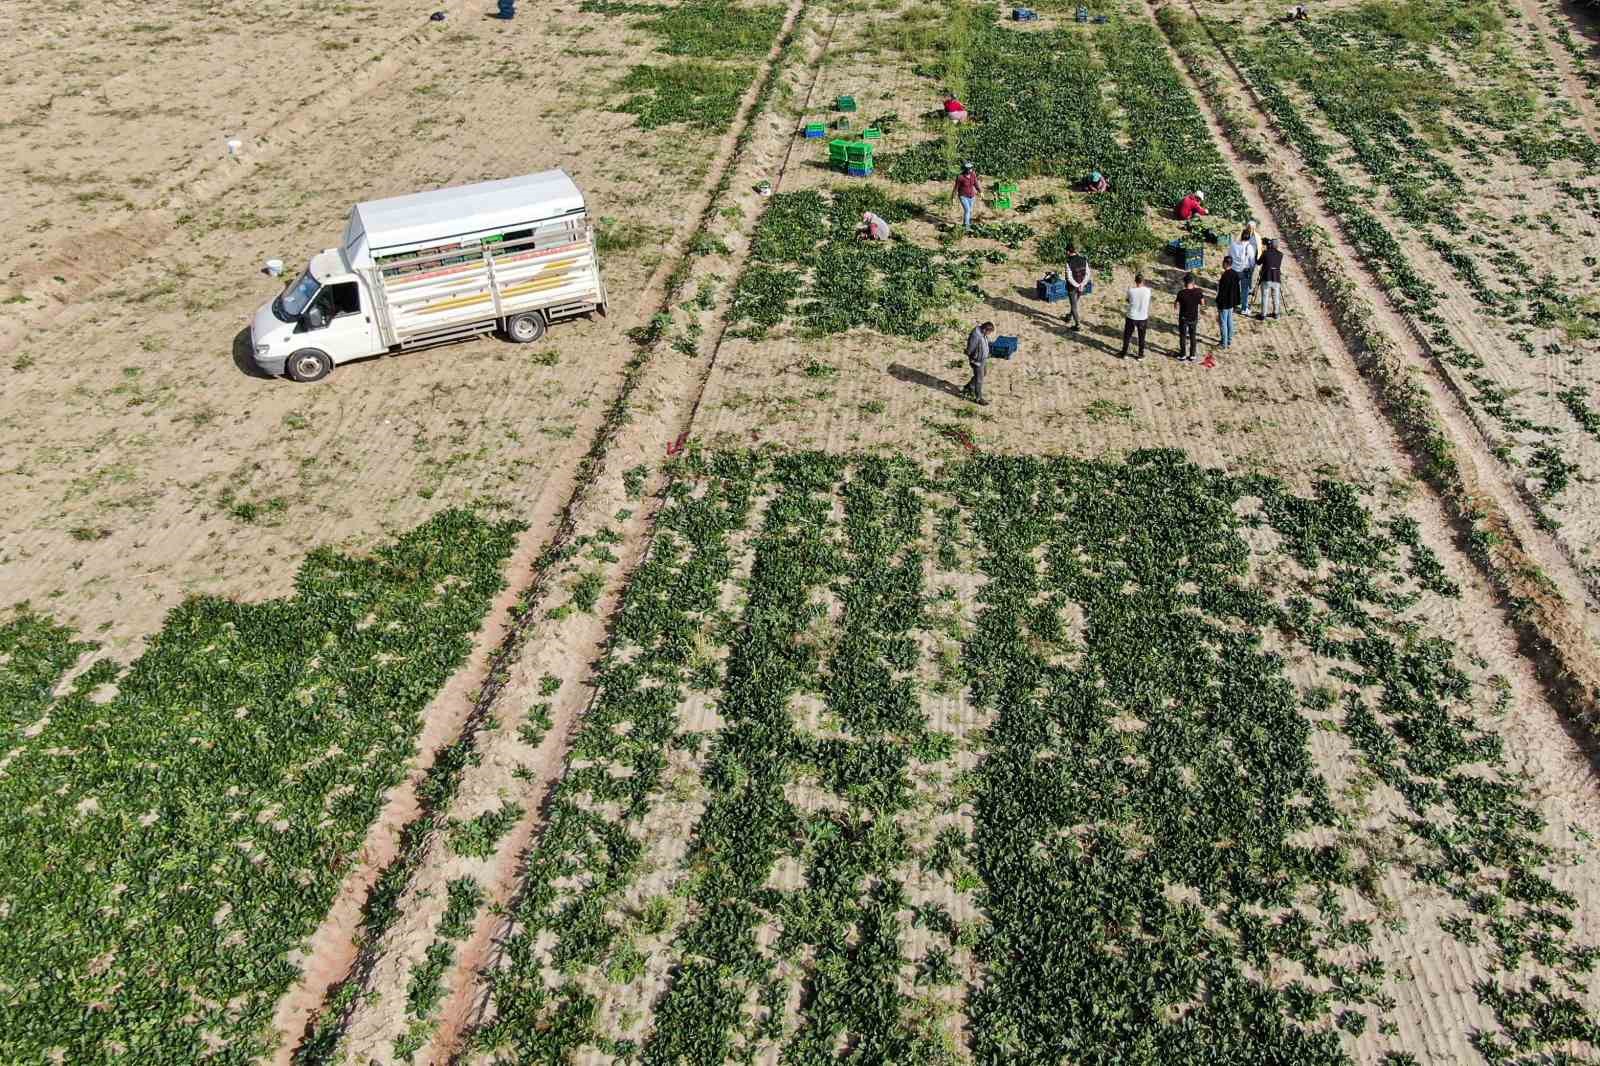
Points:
(1576, 90)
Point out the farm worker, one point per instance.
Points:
(1192, 205)
(1078, 278)
(1190, 297)
(1298, 13)
(873, 228)
(1227, 300)
(1271, 280)
(1137, 315)
(1255, 238)
(967, 192)
(1243, 254)
(954, 109)
(1097, 183)
(978, 359)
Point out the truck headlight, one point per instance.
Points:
(262, 349)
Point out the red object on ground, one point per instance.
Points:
(1190, 207)
(676, 447)
(1209, 362)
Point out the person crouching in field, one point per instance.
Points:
(1191, 205)
(954, 109)
(873, 228)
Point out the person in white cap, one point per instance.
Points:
(1192, 205)
(873, 227)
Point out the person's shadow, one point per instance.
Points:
(912, 376)
(1049, 321)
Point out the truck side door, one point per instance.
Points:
(347, 330)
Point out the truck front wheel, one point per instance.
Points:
(524, 329)
(308, 364)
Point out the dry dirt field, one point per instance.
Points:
(713, 682)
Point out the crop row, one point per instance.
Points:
(1373, 107)
(1040, 107)
(1161, 870)
(176, 830)
(805, 263)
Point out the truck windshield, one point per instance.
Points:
(297, 297)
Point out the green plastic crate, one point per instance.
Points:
(870, 134)
(843, 124)
(836, 152)
(1003, 195)
(845, 103)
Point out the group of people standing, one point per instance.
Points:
(1251, 263)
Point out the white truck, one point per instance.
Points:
(514, 255)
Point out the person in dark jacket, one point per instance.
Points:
(1228, 289)
(1271, 278)
(978, 359)
(1079, 277)
(1190, 297)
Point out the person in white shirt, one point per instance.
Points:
(873, 227)
(1244, 254)
(1136, 319)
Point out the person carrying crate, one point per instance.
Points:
(1192, 205)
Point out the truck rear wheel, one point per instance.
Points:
(308, 364)
(524, 329)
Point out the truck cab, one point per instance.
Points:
(324, 318)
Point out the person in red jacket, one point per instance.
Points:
(967, 193)
(954, 109)
(1192, 205)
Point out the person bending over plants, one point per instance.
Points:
(1192, 205)
(873, 228)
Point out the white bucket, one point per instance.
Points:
(274, 267)
(234, 144)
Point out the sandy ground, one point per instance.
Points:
(135, 438)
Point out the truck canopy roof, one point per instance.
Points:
(402, 223)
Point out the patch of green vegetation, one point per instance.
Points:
(698, 94)
(222, 782)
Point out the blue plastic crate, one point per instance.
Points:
(1003, 347)
(1024, 14)
(1051, 291)
(859, 172)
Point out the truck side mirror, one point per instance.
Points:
(314, 318)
